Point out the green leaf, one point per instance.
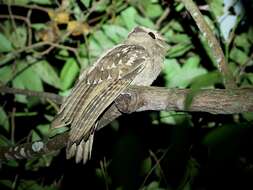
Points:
(28, 79)
(19, 37)
(101, 5)
(115, 33)
(216, 7)
(154, 185)
(179, 50)
(5, 45)
(33, 185)
(85, 62)
(86, 3)
(176, 26)
(43, 129)
(21, 2)
(68, 73)
(65, 93)
(6, 74)
(146, 166)
(6, 58)
(131, 18)
(39, 26)
(153, 10)
(99, 173)
(176, 76)
(172, 118)
(6, 183)
(144, 22)
(35, 164)
(207, 80)
(186, 186)
(192, 62)
(203, 81)
(47, 73)
(63, 53)
(250, 35)
(249, 76)
(103, 40)
(222, 134)
(248, 116)
(42, 2)
(94, 47)
(170, 70)
(4, 121)
(128, 16)
(190, 70)
(179, 38)
(4, 141)
(179, 7)
(56, 131)
(238, 56)
(243, 42)
(35, 136)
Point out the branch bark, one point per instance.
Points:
(213, 43)
(215, 101)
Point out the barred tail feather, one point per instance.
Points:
(71, 150)
(81, 151)
(71, 104)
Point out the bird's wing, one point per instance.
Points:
(102, 83)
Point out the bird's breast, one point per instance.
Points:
(152, 69)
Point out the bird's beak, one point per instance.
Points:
(164, 44)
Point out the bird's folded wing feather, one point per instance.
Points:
(102, 83)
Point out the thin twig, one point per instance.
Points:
(162, 17)
(103, 166)
(13, 125)
(11, 16)
(28, 16)
(158, 161)
(46, 51)
(14, 184)
(67, 48)
(42, 95)
(242, 67)
(212, 42)
(41, 44)
(154, 167)
(36, 7)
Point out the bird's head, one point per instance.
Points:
(149, 39)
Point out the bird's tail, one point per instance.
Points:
(81, 151)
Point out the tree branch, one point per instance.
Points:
(215, 101)
(42, 95)
(212, 42)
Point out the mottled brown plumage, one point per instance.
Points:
(138, 60)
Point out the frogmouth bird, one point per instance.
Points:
(136, 61)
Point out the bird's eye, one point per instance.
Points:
(152, 35)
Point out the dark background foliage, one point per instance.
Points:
(44, 45)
